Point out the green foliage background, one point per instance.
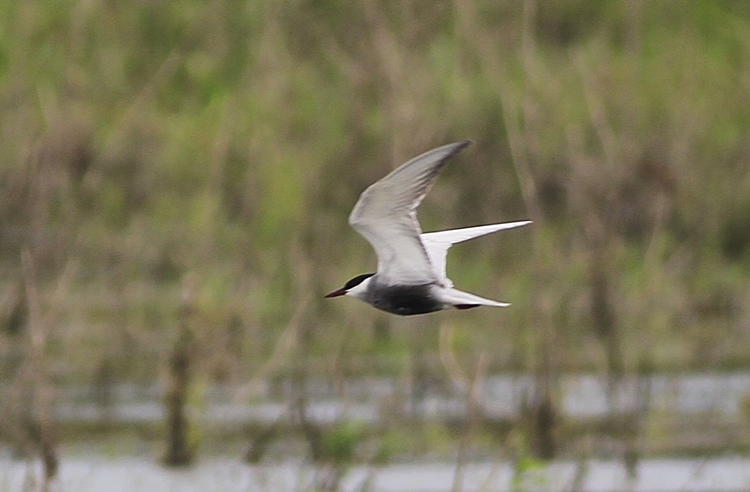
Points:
(156, 153)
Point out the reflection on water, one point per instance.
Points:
(135, 474)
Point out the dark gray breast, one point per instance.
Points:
(404, 300)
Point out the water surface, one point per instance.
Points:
(138, 474)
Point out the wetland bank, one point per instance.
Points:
(174, 178)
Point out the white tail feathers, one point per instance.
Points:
(460, 298)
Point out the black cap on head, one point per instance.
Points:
(357, 280)
(350, 285)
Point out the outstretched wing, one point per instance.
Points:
(438, 243)
(386, 215)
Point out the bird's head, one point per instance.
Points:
(356, 287)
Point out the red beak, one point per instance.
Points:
(336, 293)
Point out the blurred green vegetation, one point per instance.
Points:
(147, 141)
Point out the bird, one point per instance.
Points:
(411, 273)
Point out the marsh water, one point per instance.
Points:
(583, 396)
(131, 463)
(89, 474)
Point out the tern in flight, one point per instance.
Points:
(411, 276)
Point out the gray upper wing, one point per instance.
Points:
(386, 215)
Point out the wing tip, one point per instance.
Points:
(463, 144)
